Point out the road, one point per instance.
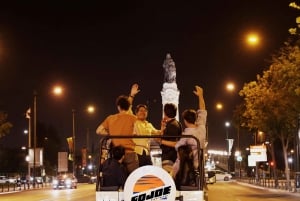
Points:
(220, 191)
(84, 192)
(233, 191)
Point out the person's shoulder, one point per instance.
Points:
(111, 116)
(132, 117)
(203, 112)
(138, 122)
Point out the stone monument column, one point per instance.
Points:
(170, 92)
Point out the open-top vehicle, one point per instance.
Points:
(150, 182)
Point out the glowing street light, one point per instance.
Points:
(227, 124)
(90, 109)
(252, 39)
(219, 106)
(230, 86)
(57, 90)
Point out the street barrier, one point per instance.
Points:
(9, 187)
(271, 183)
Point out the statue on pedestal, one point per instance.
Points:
(170, 92)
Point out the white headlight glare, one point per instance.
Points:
(68, 181)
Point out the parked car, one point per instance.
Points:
(39, 180)
(4, 180)
(64, 181)
(222, 176)
(12, 180)
(7, 180)
(22, 180)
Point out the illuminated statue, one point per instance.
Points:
(170, 70)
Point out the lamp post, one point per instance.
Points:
(28, 116)
(29, 143)
(227, 125)
(34, 133)
(74, 140)
(90, 110)
(87, 161)
(297, 161)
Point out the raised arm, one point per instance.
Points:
(134, 90)
(199, 92)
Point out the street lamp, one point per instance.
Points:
(219, 106)
(90, 109)
(252, 39)
(227, 125)
(229, 142)
(230, 87)
(57, 90)
(73, 136)
(34, 134)
(28, 115)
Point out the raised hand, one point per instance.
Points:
(198, 91)
(134, 90)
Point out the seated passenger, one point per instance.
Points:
(113, 172)
(183, 169)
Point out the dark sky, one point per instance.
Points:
(97, 50)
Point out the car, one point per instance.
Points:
(222, 176)
(39, 180)
(22, 180)
(4, 180)
(66, 181)
(12, 180)
(7, 180)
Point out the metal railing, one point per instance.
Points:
(271, 183)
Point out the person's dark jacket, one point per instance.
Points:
(113, 173)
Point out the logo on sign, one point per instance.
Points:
(149, 183)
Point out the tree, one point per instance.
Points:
(295, 30)
(272, 102)
(5, 126)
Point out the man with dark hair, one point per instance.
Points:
(143, 127)
(172, 128)
(112, 169)
(122, 123)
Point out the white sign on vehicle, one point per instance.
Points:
(149, 183)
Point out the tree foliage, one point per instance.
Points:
(272, 102)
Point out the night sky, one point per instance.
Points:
(96, 50)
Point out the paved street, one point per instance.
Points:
(233, 191)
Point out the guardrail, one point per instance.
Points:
(271, 183)
(9, 187)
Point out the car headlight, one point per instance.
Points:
(68, 181)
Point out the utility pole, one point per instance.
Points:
(34, 134)
(297, 161)
(74, 139)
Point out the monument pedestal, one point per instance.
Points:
(170, 94)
